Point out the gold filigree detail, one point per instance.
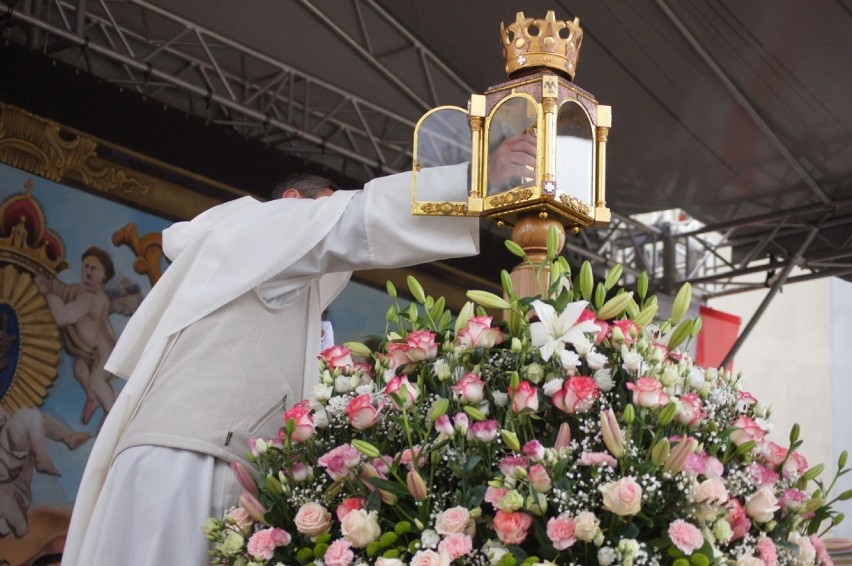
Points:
(148, 250)
(443, 209)
(37, 145)
(505, 199)
(575, 204)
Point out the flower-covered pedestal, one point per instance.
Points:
(575, 432)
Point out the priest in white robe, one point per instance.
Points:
(225, 341)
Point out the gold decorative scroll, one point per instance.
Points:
(575, 204)
(443, 208)
(504, 199)
(148, 250)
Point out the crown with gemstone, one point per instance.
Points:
(529, 43)
(25, 240)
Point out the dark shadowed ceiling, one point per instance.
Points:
(737, 112)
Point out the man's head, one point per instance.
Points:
(303, 185)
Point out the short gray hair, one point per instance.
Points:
(309, 186)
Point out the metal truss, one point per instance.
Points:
(144, 47)
(158, 54)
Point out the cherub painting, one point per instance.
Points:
(81, 311)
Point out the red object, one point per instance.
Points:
(718, 334)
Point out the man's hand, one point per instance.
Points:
(513, 160)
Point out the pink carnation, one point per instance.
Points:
(561, 531)
(262, 544)
(685, 536)
(456, 545)
(339, 553)
(767, 551)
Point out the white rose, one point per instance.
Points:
(711, 491)
(342, 384)
(552, 386)
(382, 561)
(606, 556)
(320, 419)
(603, 379)
(360, 528)
(586, 526)
(365, 389)
(807, 552)
(429, 538)
(500, 398)
(430, 558)
(595, 359)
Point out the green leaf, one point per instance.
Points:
(389, 486)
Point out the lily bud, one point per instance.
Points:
(612, 433)
(615, 306)
(416, 485)
(563, 437)
(668, 413)
(254, 507)
(439, 409)
(629, 414)
(510, 439)
(274, 486)
(366, 448)
(660, 452)
(474, 413)
(677, 458)
(488, 300)
(244, 477)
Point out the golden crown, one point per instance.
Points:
(529, 43)
(25, 240)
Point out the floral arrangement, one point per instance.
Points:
(575, 432)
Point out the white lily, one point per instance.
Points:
(553, 331)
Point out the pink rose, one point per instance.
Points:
(509, 464)
(299, 417)
(762, 505)
(699, 463)
(430, 558)
(737, 519)
(300, 472)
(689, 410)
(540, 479)
(561, 531)
(603, 327)
(456, 545)
(494, 495)
(534, 450)
(241, 518)
(622, 497)
(597, 459)
(398, 354)
(483, 431)
(767, 551)
(792, 499)
(337, 357)
(822, 556)
(408, 455)
(685, 536)
(443, 425)
(648, 392)
(361, 412)
(470, 388)
(262, 544)
(577, 395)
(395, 387)
(747, 429)
(711, 491)
(312, 519)
(454, 520)
(478, 333)
(422, 345)
(349, 505)
(625, 332)
(525, 397)
(338, 462)
(511, 528)
(338, 553)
